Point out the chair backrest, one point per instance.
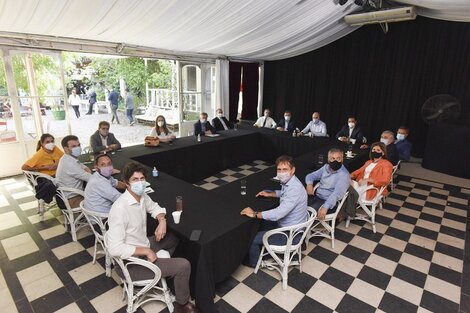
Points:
(62, 195)
(378, 195)
(33, 177)
(96, 218)
(395, 168)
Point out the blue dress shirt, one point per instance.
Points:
(100, 193)
(333, 185)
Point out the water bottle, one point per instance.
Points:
(293, 134)
(155, 172)
(199, 137)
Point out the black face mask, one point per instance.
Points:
(335, 165)
(376, 155)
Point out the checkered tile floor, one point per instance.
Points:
(414, 263)
(232, 174)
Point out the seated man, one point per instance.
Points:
(100, 191)
(70, 172)
(286, 124)
(388, 139)
(292, 209)
(334, 183)
(265, 120)
(403, 145)
(127, 234)
(220, 122)
(203, 127)
(102, 140)
(351, 133)
(315, 127)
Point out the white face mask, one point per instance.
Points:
(385, 141)
(283, 177)
(138, 187)
(160, 124)
(203, 120)
(400, 137)
(351, 125)
(49, 146)
(76, 151)
(220, 115)
(287, 117)
(315, 120)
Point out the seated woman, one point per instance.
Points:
(377, 171)
(46, 158)
(161, 130)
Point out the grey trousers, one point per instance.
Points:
(115, 114)
(177, 268)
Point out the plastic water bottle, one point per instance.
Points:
(199, 137)
(293, 133)
(155, 172)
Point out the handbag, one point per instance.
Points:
(150, 141)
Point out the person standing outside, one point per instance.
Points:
(113, 99)
(74, 101)
(129, 102)
(91, 101)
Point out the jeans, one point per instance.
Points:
(277, 239)
(129, 115)
(114, 111)
(76, 108)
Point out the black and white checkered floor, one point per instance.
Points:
(414, 263)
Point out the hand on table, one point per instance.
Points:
(247, 211)
(266, 194)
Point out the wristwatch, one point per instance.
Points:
(255, 214)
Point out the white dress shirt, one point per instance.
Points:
(74, 100)
(270, 123)
(128, 224)
(318, 129)
(71, 173)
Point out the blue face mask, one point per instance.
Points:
(400, 137)
(76, 151)
(138, 187)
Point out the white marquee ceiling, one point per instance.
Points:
(253, 29)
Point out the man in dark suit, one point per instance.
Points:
(388, 138)
(286, 124)
(220, 122)
(102, 140)
(203, 127)
(351, 133)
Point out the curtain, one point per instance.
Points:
(250, 91)
(234, 89)
(381, 79)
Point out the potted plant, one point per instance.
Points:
(58, 112)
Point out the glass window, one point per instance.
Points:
(7, 124)
(191, 92)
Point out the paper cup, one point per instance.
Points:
(176, 216)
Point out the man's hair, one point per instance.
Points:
(389, 132)
(285, 159)
(132, 168)
(103, 123)
(287, 111)
(102, 155)
(335, 150)
(203, 113)
(382, 146)
(352, 117)
(405, 129)
(66, 139)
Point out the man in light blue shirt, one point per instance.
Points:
(292, 208)
(315, 127)
(334, 183)
(100, 191)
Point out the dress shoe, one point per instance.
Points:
(186, 308)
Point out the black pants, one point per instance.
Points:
(76, 108)
(90, 108)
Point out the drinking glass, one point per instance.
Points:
(179, 203)
(243, 187)
(320, 159)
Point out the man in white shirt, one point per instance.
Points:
(265, 120)
(75, 101)
(316, 128)
(70, 172)
(127, 234)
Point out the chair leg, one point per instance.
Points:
(95, 250)
(73, 230)
(348, 220)
(107, 264)
(285, 273)
(258, 264)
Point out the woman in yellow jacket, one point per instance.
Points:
(46, 158)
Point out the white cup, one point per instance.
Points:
(349, 154)
(176, 216)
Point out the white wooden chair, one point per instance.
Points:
(287, 255)
(33, 178)
(74, 219)
(368, 206)
(395, 169)
(326, 227)
(95, 220)
(142, 282)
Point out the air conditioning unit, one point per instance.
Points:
(382, 16)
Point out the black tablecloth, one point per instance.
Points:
(226, 235)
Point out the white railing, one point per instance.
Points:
(163, 98)
(192, 102)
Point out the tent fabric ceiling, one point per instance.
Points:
(250, 29)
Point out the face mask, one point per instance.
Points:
(160, 124)
(335, 165)
(351, 125)
(315, 120)
(220, 115)
(104, 133)
(283, 177)
(76, 151)
(49, 146)
(138, 187)
(400, 137)
(287, 117)
(384, 141)
(203, 120)
(376, 155)
(106, 171)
